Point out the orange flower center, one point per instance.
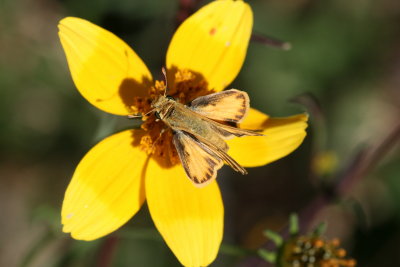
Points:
(158, 138)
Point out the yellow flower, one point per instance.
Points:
(115, 177)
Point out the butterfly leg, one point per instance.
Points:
(158, 138)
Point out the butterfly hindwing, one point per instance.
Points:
(221, 153)
(226, 132)
(230, 105)
(199, 161)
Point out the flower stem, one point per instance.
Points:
(106, 251)
(270, 41)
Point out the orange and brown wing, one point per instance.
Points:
(199, 161)
(230, 105)
(220, 153)
(226, 132)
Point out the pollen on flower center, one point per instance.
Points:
(309, 251)
(158, 138)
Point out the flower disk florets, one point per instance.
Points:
(158, 138)
(314, 251)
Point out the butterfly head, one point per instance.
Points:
(162, 105)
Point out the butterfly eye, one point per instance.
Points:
(157, 115)
(170, 97)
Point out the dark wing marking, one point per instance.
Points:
(222, 155)
(227, 132)
(199, 161)
(230, 105)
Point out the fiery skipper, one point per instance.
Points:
(199, 132)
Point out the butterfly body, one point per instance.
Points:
(199, 136)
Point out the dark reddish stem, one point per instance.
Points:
(369, 160)
(107, 251)
(185, 9)
(270, 41)
(364, 161)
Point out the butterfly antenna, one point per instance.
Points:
(166, 81)
(140, 116)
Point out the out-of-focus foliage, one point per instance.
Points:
(346, 53)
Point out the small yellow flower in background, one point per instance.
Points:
(115, 177)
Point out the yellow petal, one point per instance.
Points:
(282, 136)
(189, 218)
(107, 188)
(255, 120)
(106, 71)
(213, 42)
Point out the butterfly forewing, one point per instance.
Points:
(199, 161)
(230, 105)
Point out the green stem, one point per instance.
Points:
(46, 238)
(233, 250)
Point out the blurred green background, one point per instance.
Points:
(345, 56)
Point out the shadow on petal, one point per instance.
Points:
(130, 88)
(186, 84)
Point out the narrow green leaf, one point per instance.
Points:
(274, 236)
(320, 229)
(268, 256)
(293, 224)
